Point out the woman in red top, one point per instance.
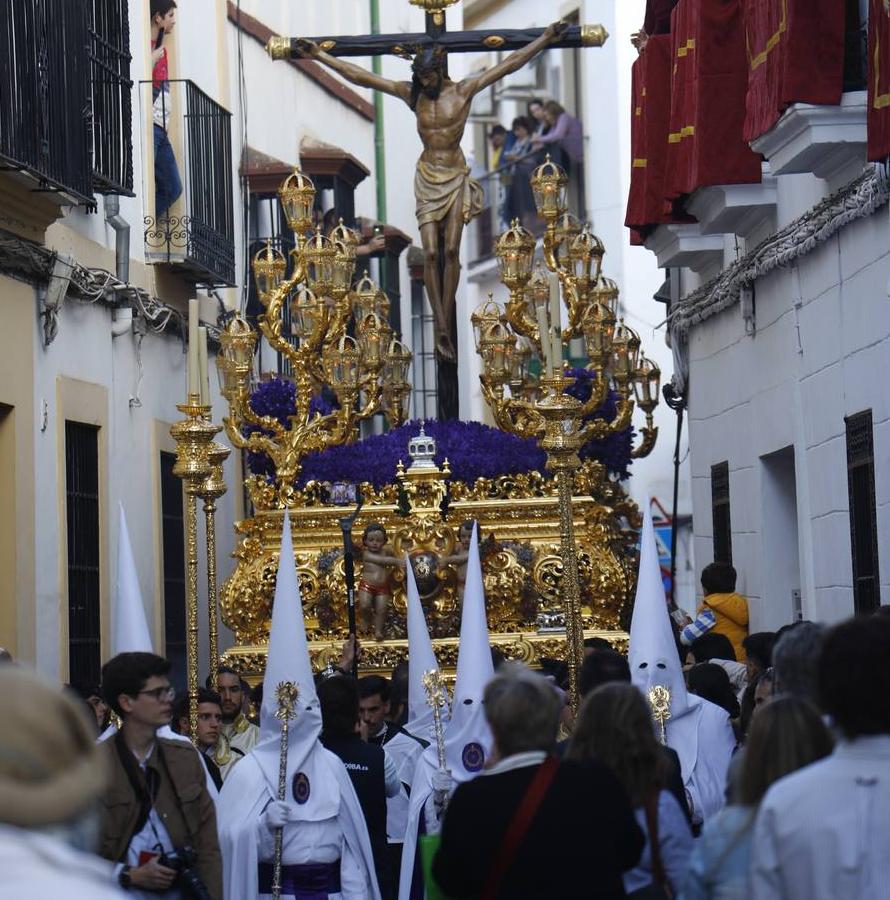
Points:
(168, 184)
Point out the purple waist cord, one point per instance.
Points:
(310, 881)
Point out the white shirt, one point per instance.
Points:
(823, 833)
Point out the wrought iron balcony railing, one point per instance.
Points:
(44, 93)
(196, 232)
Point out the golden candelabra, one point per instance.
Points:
(534, 399)
(307, 319)
(195, 455)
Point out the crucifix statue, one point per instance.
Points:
(446, 197)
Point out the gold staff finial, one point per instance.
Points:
(660, 701)
(437, 698)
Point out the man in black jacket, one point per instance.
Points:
(372, 773)
(578, 840)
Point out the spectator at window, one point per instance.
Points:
(520, 202)
(168, 184)
(564, 140)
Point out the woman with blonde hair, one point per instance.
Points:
(614, 726)
(786, 734)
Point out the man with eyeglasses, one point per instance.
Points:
(157, 804)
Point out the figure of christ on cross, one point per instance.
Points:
(447, 198)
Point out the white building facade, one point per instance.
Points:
(780, 323)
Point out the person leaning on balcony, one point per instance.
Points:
(723, 611)
(168, 184)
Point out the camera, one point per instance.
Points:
(182, 861)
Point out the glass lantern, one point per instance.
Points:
(567, 229)
(307, 312)
(585, 259)
(515, 251)
(598, 328)
(550, 185)
(606, 292)
(341, 363)
(369, 300)
(297, 196)
(647, 383)
(625, 355)
(318, 256)
(343, 268)
(235, 358)
(269, 266)
(483, 319)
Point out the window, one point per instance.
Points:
(111, 103)
(863, 517)
(720, 512)
(173, 540)
(82, 507)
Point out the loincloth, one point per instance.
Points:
(375, 590)
(438, 188)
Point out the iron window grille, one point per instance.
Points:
(863, 513)
(45, 95)
(424, 396)
(720, 512)
(84, 579)
(112, 105)
(173, 540)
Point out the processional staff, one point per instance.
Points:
(286, 693)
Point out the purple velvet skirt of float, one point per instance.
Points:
(311, 881)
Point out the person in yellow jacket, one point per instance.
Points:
(723, 610)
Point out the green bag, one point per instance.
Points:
(429, 844)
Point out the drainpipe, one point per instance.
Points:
(379, 154)
(121, 237)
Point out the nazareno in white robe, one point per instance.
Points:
(245, 842)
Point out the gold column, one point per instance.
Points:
(193, 436)
(213, 487)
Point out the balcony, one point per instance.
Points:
(194, 232)
(44, 91)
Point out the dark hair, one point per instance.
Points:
(883, 610)
(224, 670)
(428, 59)
(614, 725)
(523, 122)
(338, 697)
(759, 648)
(556, 670)
(497, 658)
(718, 578)
(86, 689)
(710, 681)
(205, 695)
(554, 108)
(787, 734)
(854, 676)
(370, 685)
(161, 7)
(497, 129)
(535, 101)
(602, 667)
(466, 525)
(398, 693)
(597, 643)
(712, 646)
(373, 526)
(127, 674)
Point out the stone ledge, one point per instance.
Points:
(821, 140)
(734, 208)
(684, 246)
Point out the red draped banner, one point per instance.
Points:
(795, 51)
(878, 79)
(708, 86)
(658, 16)
(650, 112)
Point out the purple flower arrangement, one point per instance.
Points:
(472, 449)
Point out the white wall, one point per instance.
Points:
(753, 396)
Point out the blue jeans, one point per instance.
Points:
(168, 184)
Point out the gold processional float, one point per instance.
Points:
(559, 561)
